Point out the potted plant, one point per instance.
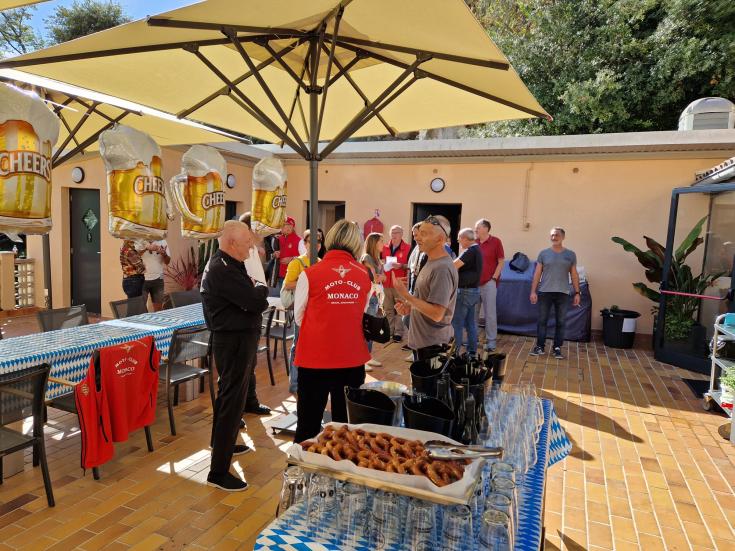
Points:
(679, 324)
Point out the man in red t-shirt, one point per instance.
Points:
(399, 249)
(493, 258)
(289, 243)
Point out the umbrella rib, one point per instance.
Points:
(490, 64)
(296, 98)
(72, 135)
(265, 44)
(330, 61)
(264, 85)
(344, 68)
(254, 111)
(451, 82)
(238, 80)
(365, 99)
(348, 129)
(68, 128)
(204, 26)
(58, 159)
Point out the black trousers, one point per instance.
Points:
(315, 386)
(251, 399)
(234, 355)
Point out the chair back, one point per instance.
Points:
(62, 318)
(188, 343)
(185, 298)
(268, 316)
(22, 393)
(128, 307)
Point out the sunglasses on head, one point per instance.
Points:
(434, 221)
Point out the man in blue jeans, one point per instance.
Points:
(554, 267)
(469, 267)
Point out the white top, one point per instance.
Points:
(302, 248)
(154, 264)
(301, 298)
(254, 266)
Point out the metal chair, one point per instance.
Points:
(265, 332)
(62, 318)
(128, 307)
(19, 390)
(185, 298)
(187, 344)
(282, 330)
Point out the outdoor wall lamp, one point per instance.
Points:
(77, 174)
(230, 181)
(437, 185)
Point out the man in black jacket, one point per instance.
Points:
(233, 307)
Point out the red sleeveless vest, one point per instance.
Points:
(331, 335)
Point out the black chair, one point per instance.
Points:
(282, 330)
(185, 298)
(23, 392)
(128, 307)
(61, 318)
(190, 343)
(265, 333)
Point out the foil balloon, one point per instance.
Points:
(268, 212)
(28, 132)
(136, 196)
(199, 194)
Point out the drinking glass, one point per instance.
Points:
(507, 488)
(499, 502)
(321, 505)
(457, 534)
(503, 469)
(352, 515)
(494, 531)
(386, 521)
(421, 532)
(292, 490)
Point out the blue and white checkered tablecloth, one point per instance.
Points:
(68, 350)
(288, 532)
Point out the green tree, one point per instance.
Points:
(612, 65)
(83, 17)
(16, 33)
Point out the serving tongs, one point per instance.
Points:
(438, 449)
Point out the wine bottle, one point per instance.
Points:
(469, 431)
(459, 414)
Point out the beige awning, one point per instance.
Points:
(10, 4)
(416, 63)
(84, 114)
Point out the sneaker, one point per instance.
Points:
(375, 363)
(227, 482)
(260, 409)
(243, 426)
(537, 351)
(557, 353)
(241, 449)
(397, 338)
(368, 367)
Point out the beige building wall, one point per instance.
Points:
(592, 199)
(95, 178)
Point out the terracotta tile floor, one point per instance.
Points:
(648, 469)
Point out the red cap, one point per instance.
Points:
(290, 221)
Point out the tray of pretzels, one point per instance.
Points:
(389, 458)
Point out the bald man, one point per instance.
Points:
(233, 306)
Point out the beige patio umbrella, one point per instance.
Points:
(301, 73)
(11, 4)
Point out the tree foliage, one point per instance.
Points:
(612, 65)
(17, 36)
(83, 17)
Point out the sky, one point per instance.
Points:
(136, 9)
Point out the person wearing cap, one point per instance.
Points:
(233, 308)
(431, 307)
(396, 248)
(290, 245)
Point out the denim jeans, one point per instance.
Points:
(560, 302)
(464, 319)
(372, 310)
(293, 371)
(133, 285)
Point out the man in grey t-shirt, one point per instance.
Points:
(550, 287)
(431, 307)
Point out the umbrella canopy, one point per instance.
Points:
(84, 114)
(301, 72)
(10, 4)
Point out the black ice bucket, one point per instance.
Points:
(496, 360)
(368, 406)
(424, 378)
(429, 414)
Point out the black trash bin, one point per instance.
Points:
(618, 327)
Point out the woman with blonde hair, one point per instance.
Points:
(331, 297)
(371, 260)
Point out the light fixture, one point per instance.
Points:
(437, 185)
(77, 174)
(230, 181)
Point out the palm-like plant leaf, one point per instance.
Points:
(647, 292)
(648, 259)
(691, 242)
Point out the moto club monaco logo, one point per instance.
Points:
(342, 271)
(126, 366)
(213, 199)
(145, 184)
(339, 296)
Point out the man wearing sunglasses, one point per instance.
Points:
(431, 306)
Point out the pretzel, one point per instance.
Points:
(384, 452)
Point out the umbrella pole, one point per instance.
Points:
(313, 208)
(49, 299)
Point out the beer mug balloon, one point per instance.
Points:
(269, 196)
(136, 195)
(28, 132)
(199, 194)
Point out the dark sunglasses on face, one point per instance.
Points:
(434, 221)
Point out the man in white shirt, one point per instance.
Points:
(155, 258)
